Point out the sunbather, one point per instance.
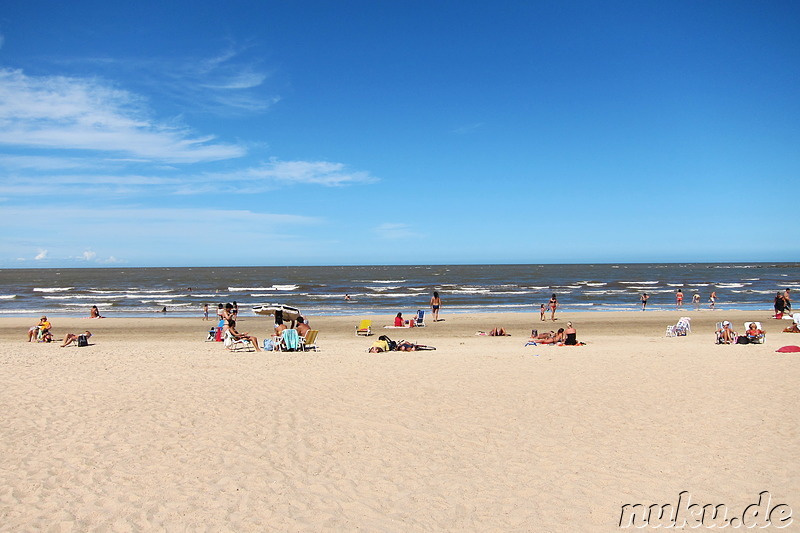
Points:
(498, 332)
(570, 335)
(725, 334)
(244, 336)
(69, 338)
(558, 338)
(43, 326)
(753, 333)
(302, 328)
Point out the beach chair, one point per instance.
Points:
(214, 334)
(719, 327)
(757, 340)
(419, 320)
(233, 344)
(290, 340)
(682, 328)
(364, 328)
(309, 341)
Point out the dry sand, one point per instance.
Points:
(151, 428)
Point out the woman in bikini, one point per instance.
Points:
(436, 303)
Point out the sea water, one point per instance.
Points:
(317, 290)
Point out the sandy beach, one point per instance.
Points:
(151, 428)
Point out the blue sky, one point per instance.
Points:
(361, 132)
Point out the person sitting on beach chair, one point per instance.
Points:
(753, 335)
(725, 334)
(243, 337)
(40, 331)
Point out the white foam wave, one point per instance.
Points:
(52, 289)
(8, 296)
(639, 282)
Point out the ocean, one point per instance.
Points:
(130, 292)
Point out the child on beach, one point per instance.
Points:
(542, 311)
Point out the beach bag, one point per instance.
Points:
(268, 345)
(82, 340)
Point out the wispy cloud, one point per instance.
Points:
(395, 231)
(469, 128)
(301, 172)
(56, 112)
(42, 255)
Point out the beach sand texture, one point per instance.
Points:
(151, 428)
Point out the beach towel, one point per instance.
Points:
(291, 340)
(788, 349)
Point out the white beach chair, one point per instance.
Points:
(233, 344)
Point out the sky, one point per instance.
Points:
(199, 133)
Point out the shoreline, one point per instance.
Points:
(373, 312)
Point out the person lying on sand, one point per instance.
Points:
(557, 338)
(69, 338)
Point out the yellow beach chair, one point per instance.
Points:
(364, 328)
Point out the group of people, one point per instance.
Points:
(726, 334)
(227, 315)
(567, 336)
(552, 305)
(385, 344)
(229, 312)
(712, 299)
(783, 303)
(41, 333)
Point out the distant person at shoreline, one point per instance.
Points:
(679, 298)
(787, 301)
(94, 312)
(780, 305)
(542, 311)
(205, 312)
(645, 297)
(553, 305)
(346, 297)
(436, 303)
(696, 301)
(713, 299)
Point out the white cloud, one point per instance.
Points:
(41, 255)
(303, 172)
(56, 112)
(394, 231)
(89, 255)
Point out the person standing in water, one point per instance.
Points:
(436, 303)
(679, 298)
